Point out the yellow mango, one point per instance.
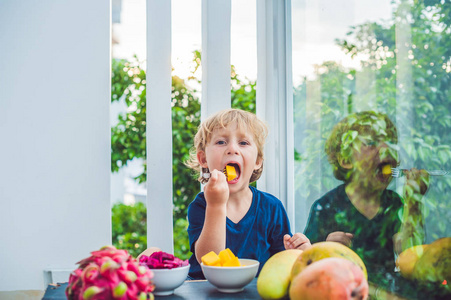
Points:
(326, 249)
(408, 258)
(234, 262)
(211, 259)
(435, 264)
(230, 172)
(226, 255)
(275, 276)
(386, 170)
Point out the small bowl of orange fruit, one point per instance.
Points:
(228, 273)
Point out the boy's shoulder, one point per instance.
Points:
(333, 199)
(198, 200)
(265, 198)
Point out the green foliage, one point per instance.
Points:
(128, 85)
(181, 242)
(129, 227)
(130, 230)
(243, 93)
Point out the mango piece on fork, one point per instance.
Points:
(386, 169)
(230, 172)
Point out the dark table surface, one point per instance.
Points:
(196, 290)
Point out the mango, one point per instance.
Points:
(226, 255)
(232, 262)
(230, 172)
(211, 259)
(323, 250)
(226, 258)
(408, 258)
(275, 275)
(435, 263)
(332, 278)
(386, 170)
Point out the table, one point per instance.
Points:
(190, 290)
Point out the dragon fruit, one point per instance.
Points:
(162, 260)
(110, 273)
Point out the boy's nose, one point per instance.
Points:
(232, 149)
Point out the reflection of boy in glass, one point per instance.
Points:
(362, 213)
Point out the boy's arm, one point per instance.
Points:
(213, 235)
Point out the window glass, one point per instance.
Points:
(243, 54)
(127, 119)
(186, 92)
(372, 92)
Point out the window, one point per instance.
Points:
(383, 65)
(384, 58)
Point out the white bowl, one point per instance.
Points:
(167, 280)
(231, 279)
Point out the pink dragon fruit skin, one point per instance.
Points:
(110, 273)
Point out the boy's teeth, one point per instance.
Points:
(230, 172)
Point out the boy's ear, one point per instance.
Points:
(258, 163)
(344, 164)
(202, 158)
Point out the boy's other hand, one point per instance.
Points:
(297, 241)
(344, 238)
(216, 190)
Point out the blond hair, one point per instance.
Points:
(366, 123)
(244, 120)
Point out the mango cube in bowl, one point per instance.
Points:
(211, 259)
(226, 258)
(231, 279)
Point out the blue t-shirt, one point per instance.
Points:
(373, 238)
(258, 235)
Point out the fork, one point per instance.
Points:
(396, 172)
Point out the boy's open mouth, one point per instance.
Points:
(232, 172)
(383, 172)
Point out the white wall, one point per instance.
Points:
(54, 136)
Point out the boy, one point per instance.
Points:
(232, 214)
(362, 213)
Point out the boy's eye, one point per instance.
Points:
(244, 143)
(220, 142)
(368, 143)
